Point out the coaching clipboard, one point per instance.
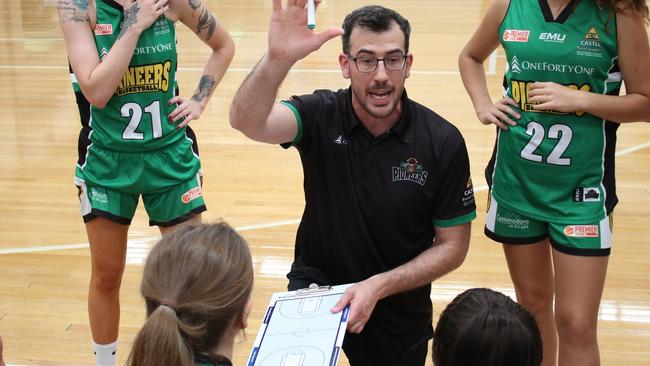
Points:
(300, 330)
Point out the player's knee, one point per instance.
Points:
(575, 329)
(107, 278)
(536, 300)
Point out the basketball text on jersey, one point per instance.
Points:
(145, 78)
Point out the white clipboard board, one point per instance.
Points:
(300, 330)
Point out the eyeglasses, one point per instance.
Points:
(369, 64)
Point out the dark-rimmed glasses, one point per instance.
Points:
(369, 64)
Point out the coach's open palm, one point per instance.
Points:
(289, 37)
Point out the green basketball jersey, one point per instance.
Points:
(129, 145)
(555, 166)
(135, 118)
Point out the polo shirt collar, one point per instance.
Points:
(403, 128)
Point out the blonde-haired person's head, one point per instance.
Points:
(197, 284)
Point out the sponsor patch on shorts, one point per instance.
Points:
(191, 195)
(581, 231)
(98, 195)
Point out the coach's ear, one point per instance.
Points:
(409, 62)
(344, 61)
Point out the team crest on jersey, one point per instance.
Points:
(515, 35)
(410, 170)
(103, 29)
(191, 195)
(581, 231)
(590, 45)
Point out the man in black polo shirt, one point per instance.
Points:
(388, 192)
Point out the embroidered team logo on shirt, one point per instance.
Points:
(410, 170)
(516, 35)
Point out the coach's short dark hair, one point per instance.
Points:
(377, 19)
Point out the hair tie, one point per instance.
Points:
(168, 303)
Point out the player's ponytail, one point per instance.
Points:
(160, 341)
(196, 284)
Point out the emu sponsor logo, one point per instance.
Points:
(103, 29)
(191, 195)
(581, 231)
(552, 37)
(514, 35)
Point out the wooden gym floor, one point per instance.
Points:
(44, 256)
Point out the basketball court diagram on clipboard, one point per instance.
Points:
(300, 330)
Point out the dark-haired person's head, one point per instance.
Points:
(482, 327)
(377, 61)
(197, 284)
(377, 19)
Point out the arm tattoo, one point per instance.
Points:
(130, 18)
(194, 4)
(205, 87)
(206, 21)
(73, 10)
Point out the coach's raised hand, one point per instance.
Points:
(289, 37)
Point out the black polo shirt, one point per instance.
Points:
(372, 202)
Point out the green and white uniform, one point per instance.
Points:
(129, 148)
(555, 167)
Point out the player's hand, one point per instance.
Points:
(187, 110)
(192, 108)
(499, 113)
(552, 96)
(362, 298)
(142, 13)
(289, 37)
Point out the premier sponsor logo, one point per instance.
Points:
(515, 35)
(145, 78)
(103, 29)
(191, 195)
(581, 231)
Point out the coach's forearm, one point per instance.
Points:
(254, 99)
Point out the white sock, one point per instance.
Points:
(105, 354)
